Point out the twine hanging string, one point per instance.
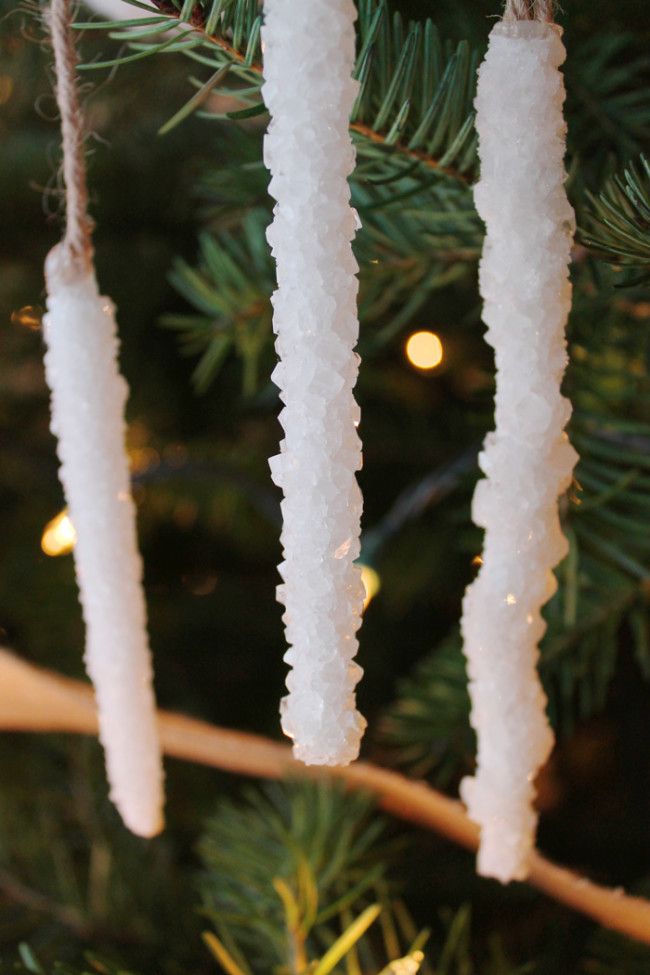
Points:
(77, 242)
(529, 10)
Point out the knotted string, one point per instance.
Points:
(77, 242)
(529, 10)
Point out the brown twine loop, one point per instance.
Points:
(77, 241)
(529, 10)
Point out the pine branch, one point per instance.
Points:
(415, 93)
(231, 289)
(602, 596)
(616, 223)
(406, 252)
(604, 585)
(37, 700)
(426, 730)
(415, 102)
(318, 861)
(456, 956)
(608, 99)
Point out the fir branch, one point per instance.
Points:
(406, 252)
(319, 854)
(38, 700)
(231, 290)
(608, 99)
(430, 162)
(616, 223)
(426, 730)
(416, 93)
(604, 585)
(415, 102)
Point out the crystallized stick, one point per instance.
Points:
(88, 397)
(527, 459)
(308, 61)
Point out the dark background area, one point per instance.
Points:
(209, 530)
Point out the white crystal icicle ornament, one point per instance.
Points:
(527, 460)
(309, 51)
(88, 397)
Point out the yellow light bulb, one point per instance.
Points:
(371, 583)
(59, 535)
(424, 350)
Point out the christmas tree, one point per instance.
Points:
(263, 868)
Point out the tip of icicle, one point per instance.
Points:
(144, 827)
(141, 811)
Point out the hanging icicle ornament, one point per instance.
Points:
(309, 52)
(527, 460)
(88, 398)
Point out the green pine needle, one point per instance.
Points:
(616, 224)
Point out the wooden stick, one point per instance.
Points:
(36, 700)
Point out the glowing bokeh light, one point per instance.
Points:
(59, 535)
(424, 350)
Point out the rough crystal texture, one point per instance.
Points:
(527, 460)
(88, 397)
(308, 60)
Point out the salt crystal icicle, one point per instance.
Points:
(527, 460)
(88, 398)
(308, 61)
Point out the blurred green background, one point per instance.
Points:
(208, 517)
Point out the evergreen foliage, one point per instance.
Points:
(617, 223)
(296, 878)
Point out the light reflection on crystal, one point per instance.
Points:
(371, 583)
(343, 549)
(59, 535)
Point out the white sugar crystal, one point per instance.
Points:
(527, 460)
(88, 398)
(308, 61)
